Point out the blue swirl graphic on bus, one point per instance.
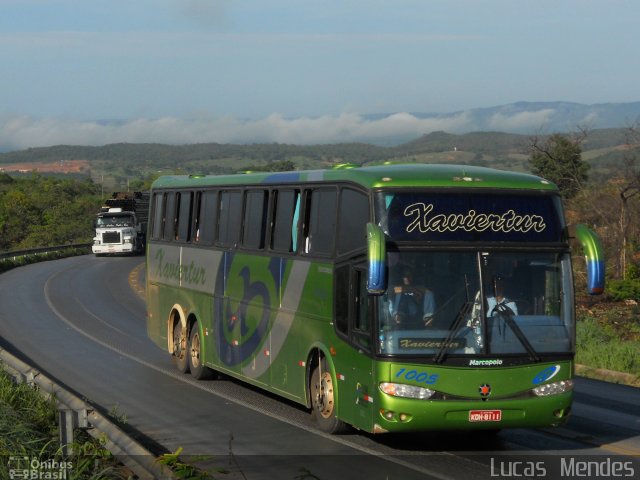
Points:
(546, 374)
(242, 326)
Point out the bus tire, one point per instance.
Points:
(323, 404)
(180, 357)
(198, 370)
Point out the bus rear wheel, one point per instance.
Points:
(323, 403)
(198, 370)
(180, 348)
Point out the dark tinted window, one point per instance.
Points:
(184, 216)
(158, 216)
(352, 220)
(207, 218)
(342, 285)
(362, 320)
(284, 237)
(170, 217)
(255, 219)
(230, 217)
(320, 222)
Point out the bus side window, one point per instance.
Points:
(196, 211)
(185, 202)
(230, 218)
(169, 216)
(255, 219)
(353, 305)
(342, 295)
(353, 216)
(286, 212)
(362, 314)
(208, 217)
(158, 216)
(320, 221)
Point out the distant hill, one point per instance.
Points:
(546, 117)
(114, 165)
(527, 118)
(382, 129)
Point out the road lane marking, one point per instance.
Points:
(174, 374)
(134, 281)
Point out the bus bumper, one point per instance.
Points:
(405, 415)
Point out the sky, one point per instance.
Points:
(94, 72)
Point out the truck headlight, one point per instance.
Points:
(554, 388)
(406, 391)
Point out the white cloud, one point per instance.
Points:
(18, 132)
(533, 120)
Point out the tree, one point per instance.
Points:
(628, 189)
(559, 160)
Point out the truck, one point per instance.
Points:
(121, 224)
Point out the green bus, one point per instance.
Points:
(389, 298)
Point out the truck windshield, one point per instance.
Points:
(442, 303)
(115, 221)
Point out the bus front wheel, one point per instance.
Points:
(323, 400)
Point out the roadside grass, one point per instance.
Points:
(29, 430)
(609, 340)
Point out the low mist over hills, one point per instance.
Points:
(527, 118)
(548, 117)
(389, 129)
(116, 164)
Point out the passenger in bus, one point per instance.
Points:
(412, 306)
(497, 301)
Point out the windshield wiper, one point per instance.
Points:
(457, 323)
(453, 331)
(507, 314)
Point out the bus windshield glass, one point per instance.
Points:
(442, 303)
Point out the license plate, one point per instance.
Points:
(485, 415)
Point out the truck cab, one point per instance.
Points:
(117, 231)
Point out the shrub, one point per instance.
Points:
(620, 290)
(600, 347)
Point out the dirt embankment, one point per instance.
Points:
(62, 166)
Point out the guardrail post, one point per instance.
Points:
(66, 431)
(69, 420)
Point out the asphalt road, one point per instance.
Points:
(80, 321)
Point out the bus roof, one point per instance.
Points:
(382, 176)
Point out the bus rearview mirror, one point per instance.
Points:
(377, 259)
(594, 256)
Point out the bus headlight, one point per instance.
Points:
(406, 391)
(554, 388)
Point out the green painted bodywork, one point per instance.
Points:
(405, 175)
(262, 318)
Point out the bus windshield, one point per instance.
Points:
(442, 303)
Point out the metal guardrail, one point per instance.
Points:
(76, 413)
(14, 254)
